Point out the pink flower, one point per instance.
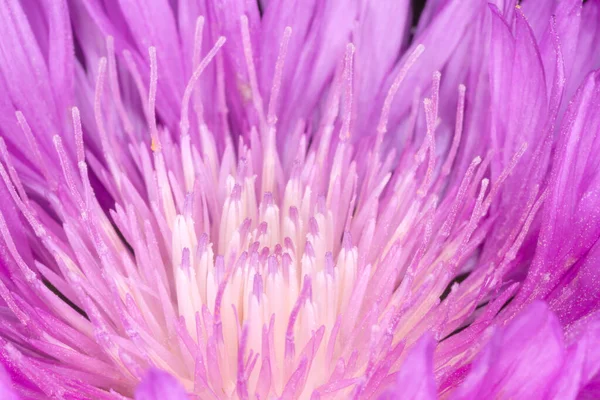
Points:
(299, 199)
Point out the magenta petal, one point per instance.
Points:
(583, 360)
(6, 389)
(564, 269)
(415, 379)
(164, 198)
(521, 360)
(587, 55)
(379, 37)
(159, 385)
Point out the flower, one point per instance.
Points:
(231, 199)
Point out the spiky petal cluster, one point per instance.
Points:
(256, 232)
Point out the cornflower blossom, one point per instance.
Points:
(299, 199)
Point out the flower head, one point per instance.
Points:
(291, 200)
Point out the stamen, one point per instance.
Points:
(435, 94)
(98, 104)
(198, 40)
(348, 77)
(271, 116)
(458, 202)
(113, 81)
(429, 147)
(256, 97)
(504, 175)
(241, 386)
(67, 171)
(12, 172)
(33, 145)
(185, 124)
(27, 212)
(155, 145)
(78, 134)
(512, 253)
(460, 116)
(29, 275)
(387, 104)
(198, 109)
